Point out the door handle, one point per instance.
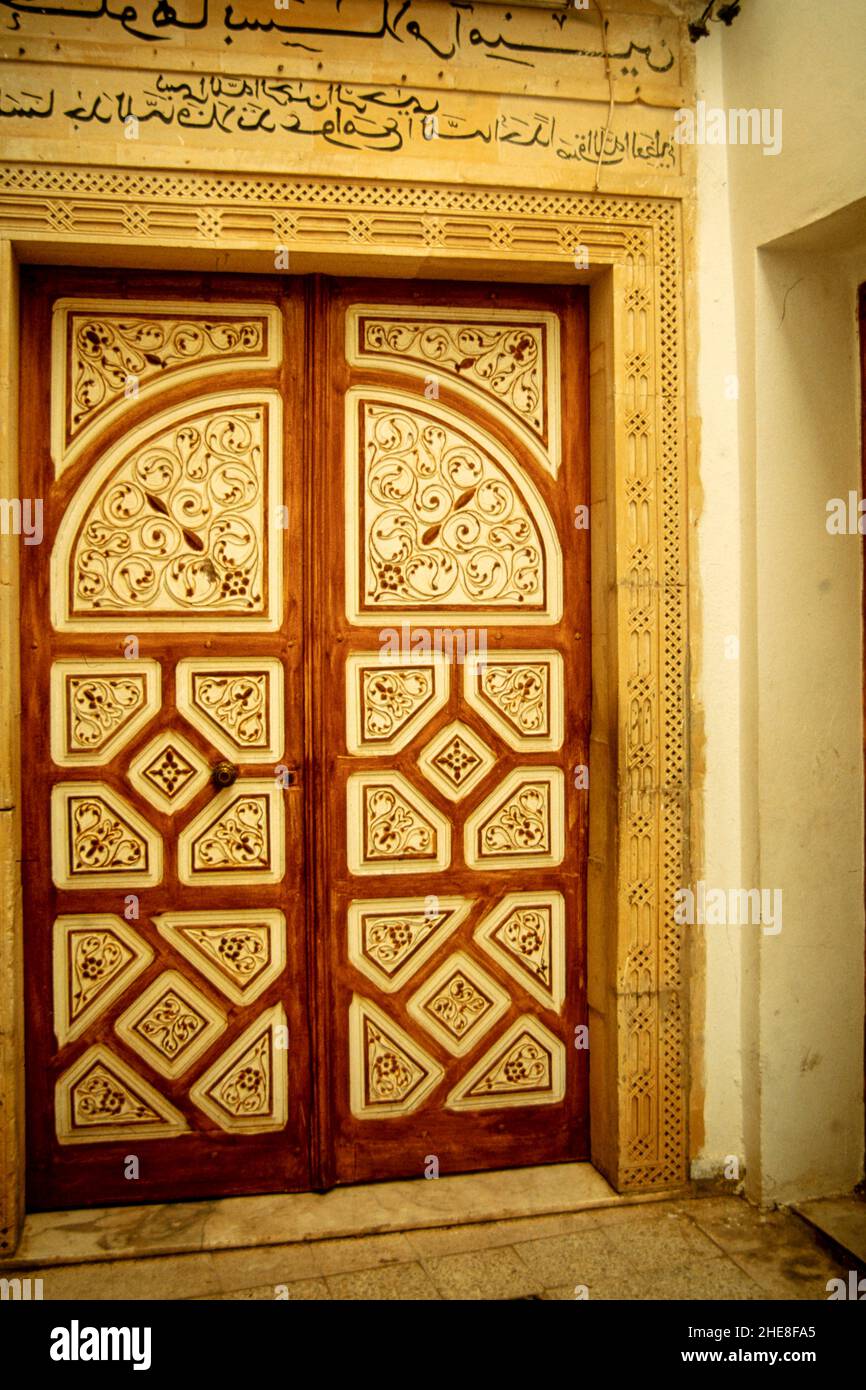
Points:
(223, 773)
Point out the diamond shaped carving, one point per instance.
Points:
(240, 950)
(246, 1089)
(456, 760)
(524, 1067)
(100, 1099)
(391, 938)
(525, 934)
(168, 772)
(391, 828)
(459, 1003)
(96, 957)
(170, 1024)
(389, 1074)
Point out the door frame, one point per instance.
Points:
(630, 251)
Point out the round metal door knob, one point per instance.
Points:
(223, 774)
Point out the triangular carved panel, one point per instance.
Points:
(96, 958)
(520, 695)
(238, 838)
(389, 698)
(99, 841)
(391, 938)
(246, 1089)
(519, 825)
(525, 934)
(240, 950)
(389, 1074)
(525, 1067)
(97, 707)
(391, 828)
(236, 704)
(100, 1099)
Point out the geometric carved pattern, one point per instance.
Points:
(237, 705)
(525, 933)
(99, 706)
(508, 360)
(520, 695)
(99, 841)
(458, 1003)
(239, 950)
(392, 828)
(96, 956)
(388, 699)
(456, 760)
(642, 237)
(177, 520)
(389, 1074)
(239, 837)
(524, 1067)
(520, 824)
(102, 1100)
(391, 938)
(246, 1089)
(168, 772)
(170, 1024)
(102, 347)
(440, 519)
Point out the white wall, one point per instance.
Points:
(783, 799)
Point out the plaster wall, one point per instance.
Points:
(783, 797)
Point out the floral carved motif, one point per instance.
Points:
(444, 524)
(180, 525)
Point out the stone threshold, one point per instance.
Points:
(237, 1223)
(840, 1224)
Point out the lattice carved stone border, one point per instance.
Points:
(641, 239)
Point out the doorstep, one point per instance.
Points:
(840, 1223)
(235, 1223)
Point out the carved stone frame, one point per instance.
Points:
(638, 768)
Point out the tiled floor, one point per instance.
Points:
(704, 1248)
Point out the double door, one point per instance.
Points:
(305, 712)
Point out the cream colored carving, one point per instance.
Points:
(524, 1067)
(168, 772)
(521, 823)
(100, 1099)
(388, 699)
(525, 934)
(97, 707)
(446, 523)
(389, 1074)
(246, 1089)
(459, 1003)
(99, 841)
(456, 760)
(237, 704)
(171, 1024)
(96, 956)
(520, 694)
(109, 354)
(505, 359)
(391, 938)
(175, 523)
(239, 950)
(391, 828)
(238, 838)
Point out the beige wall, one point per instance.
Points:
(783, 796)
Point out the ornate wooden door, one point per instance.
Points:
(454, 647)
(162, 639)
(306, 702)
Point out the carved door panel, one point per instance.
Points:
(457, 712)
(162, 638)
